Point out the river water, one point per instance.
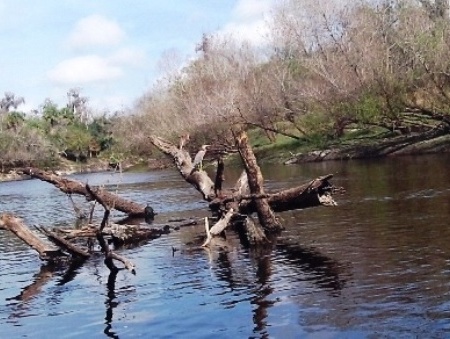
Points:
(377, 265)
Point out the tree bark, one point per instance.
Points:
(69, 186)
(15, 225)
(266, 216)
(197, 178)
(247, 198)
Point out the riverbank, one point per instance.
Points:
(388, 147)
(92, 166)
(285, 153)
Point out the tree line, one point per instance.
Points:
(327, 70)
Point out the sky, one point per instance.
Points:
(113, 51)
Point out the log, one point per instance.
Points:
(60, 242)
(313, 193)
(110, 255)
(196, 177)
(218, 227)
(266, 216)
(254, 234)
(15, 225)
(69, 186)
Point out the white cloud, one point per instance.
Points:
(128, 56)
(255, 32)
(109, 102)
(82, 70)
(248, 22)
(95, 31)
(249, 9)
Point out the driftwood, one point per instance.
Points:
(62, 246)
(248, 195)
(61, 242)
(218, 228)
(266, 216)
(70, 186)
(314, 193)
(196, 177)
(15, 225)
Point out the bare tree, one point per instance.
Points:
(437, 9)
(78, 105)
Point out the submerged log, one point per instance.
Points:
(70, 186)
(253, 234)
(57, 253)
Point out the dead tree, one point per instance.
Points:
(16, 226)
(62, 250)
(248, 196)
(70, 186)
(266, 216)
(182, 159)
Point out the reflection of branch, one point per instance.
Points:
(40, 279)
(111, 304)
(72, 271)
(324, 273)
(261, 299)
(325, 270)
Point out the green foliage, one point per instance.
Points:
(76, 138)
(14, 119)
(55, 116)
(368, 108)
(100, 130)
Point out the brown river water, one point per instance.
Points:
(376, 265)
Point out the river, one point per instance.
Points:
(376, 265)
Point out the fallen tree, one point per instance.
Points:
(233, 206)
(248, 195)
(70, 186)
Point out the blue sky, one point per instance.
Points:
(112, 50)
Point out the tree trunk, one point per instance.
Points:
(69, 186)
(197, 178)
(15, 225)
(266, 216)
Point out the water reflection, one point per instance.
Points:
(110, 304)
(322, 270)
(307, 264)
(260, 258)
(44, 275)
(376, 264)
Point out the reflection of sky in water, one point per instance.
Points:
(41, 203)
(376, 263)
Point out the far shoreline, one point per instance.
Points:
(415, 145)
